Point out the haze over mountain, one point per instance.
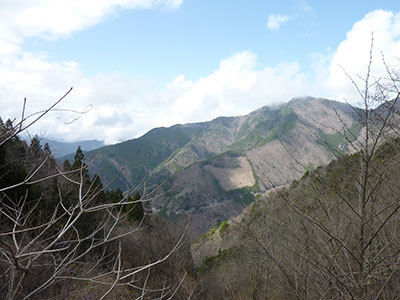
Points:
(219, 167)
(60, 148)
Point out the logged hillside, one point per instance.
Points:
(332, 233)
(216, 168)
(328, 235)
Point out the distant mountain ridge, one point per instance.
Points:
(60, 149)
(220, 166)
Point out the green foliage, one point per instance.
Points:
(16, 158)
(36, 212)
(78, 159)
(139, 157)
(17, 162)
(142, 155)
(222, 228)
(255, 187)
(114, 196)
(210, 263)
(35, 148)
(267, 130)
(387, 149)
(211, 232)
(67, 166)
(218, 186)
(213, 159)
(135, 210)
(338, 142)
(46, 149)
(242, 195)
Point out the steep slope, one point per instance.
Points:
(219, 167)
(311, 233)
(272, 146)
(138, 157)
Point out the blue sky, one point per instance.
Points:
(138, 64)
(192, 40)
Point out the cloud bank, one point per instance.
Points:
(55, 18)
(123, 107)
(352, 54)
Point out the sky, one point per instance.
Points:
(139, 64)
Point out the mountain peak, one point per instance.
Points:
(303, 98)
(307, 99)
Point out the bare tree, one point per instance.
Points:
(335, 234)
(37, 253)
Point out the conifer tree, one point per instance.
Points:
(135, 210)
(79, 159)
(35, 148)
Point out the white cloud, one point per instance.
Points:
(125, 107)
(276, 20)
(237, 87)
(352, 54)
(55, 18)
(31, 74)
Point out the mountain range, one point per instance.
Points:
(61, 148)
(212, 170)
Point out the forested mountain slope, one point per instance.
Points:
(333, 234)
(218, 167)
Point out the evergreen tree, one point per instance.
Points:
(67, 166)
(135, 210)
(46, 149)
(35, 149)
(2, 126)
(79, 159)
(114, 196)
